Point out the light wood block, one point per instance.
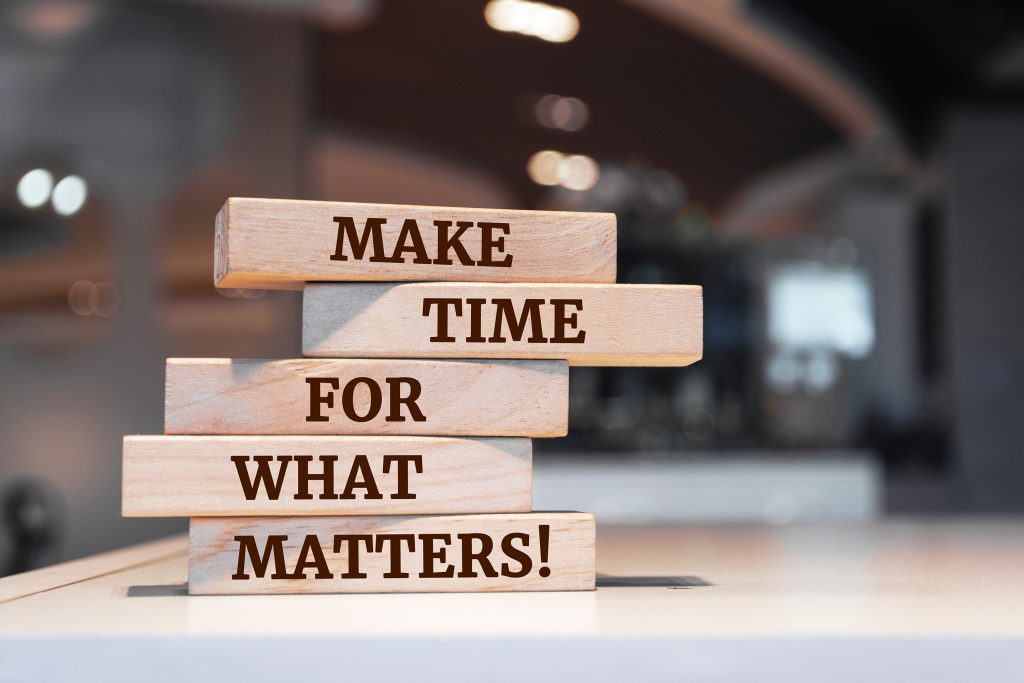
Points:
(585, 324)
(188, 476)
(540, 551)
(281, 244)
(305, 396)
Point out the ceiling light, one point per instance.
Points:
(34, 188)
(537, 19)
(86, 298)
(563, 113)
(69, 196)
(543, 167)
(571, 171)
(577, 172)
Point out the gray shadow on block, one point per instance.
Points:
(338, 304)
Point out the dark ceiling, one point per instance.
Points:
(435, 76)
(918, 57)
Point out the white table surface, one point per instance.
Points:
(899, 600)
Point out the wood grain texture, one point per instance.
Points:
(215, 553)
(281, 244)
(457, 398)
(653, 325)
(183, 476)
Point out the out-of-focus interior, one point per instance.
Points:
(843, 179)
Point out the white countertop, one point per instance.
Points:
(899, 600)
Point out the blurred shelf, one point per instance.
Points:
(716, 486)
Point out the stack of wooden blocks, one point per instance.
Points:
(396, 456)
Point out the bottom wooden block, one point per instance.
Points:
(535, 551)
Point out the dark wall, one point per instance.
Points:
(986, 311)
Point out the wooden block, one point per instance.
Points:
(585, 324)
(449, 398)
(187, 476)
(539, 551)
(281, 244)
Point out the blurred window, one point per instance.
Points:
(812, 306)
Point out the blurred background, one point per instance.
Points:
(845, 180)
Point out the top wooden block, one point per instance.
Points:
(280, 244)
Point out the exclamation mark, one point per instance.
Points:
(542, 531)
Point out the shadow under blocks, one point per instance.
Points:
(674, 582)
